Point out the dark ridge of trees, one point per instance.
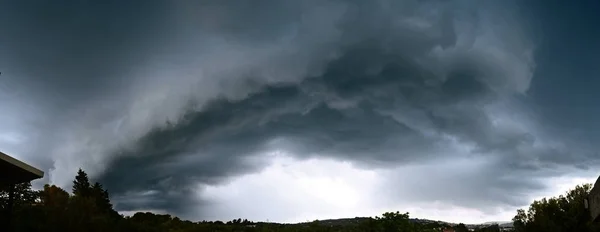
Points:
(88, 208)
(557, 214)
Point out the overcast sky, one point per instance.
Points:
(293, 110)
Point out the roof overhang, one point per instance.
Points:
(593, 201)
(13, 171)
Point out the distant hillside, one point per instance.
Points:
(340, 221)
(499, 223)
(358, 220)
(506, 224)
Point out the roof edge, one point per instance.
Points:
(21, 165)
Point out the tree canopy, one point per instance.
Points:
(556, 214)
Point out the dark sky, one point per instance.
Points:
(566, 77)
(298, 110)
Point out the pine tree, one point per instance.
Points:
(81, 184)
(101, 197)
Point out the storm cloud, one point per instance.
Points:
(160, 101)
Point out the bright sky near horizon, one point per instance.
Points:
(289, 111)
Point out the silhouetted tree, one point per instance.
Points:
(101, 198)
(54, 203)
(461, 228)
(22, 197)
(563, 213)
(81, 184)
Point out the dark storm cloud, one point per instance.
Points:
(159, 100)
(346, 113)
(64, 49)
(56, 57)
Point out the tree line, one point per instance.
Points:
(88, 208)
(565, 212)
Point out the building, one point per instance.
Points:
(13, 171)
(592, 203)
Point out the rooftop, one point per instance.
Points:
(13, 171)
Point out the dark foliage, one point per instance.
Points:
(81, 184)
(557, 214)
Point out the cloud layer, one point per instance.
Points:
(165, 104)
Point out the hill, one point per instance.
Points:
(421, 221)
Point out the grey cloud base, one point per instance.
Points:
(397, 115)
(181, 96)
